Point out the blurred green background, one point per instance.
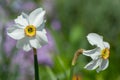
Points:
(68, 23)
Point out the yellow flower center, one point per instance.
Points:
(30, 31)
(105, 53)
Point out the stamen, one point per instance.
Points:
(30, 31)
(105, 53)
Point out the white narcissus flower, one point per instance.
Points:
(29, 30)
(99, 55)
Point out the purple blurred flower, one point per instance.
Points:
(3, 15)
(0, 32)
(1, 26)
(49, 6)
(29, 6)
(25, 65)
(20, 5)
(9, 43)
(56, 24)
(8, 1)
(3, 19)
(45, 53)
(25, 61)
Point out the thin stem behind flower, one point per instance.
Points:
(76, 55)
(36, 64)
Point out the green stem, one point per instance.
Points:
(62, 65)
(76, 55)
(71, 72)
(36, 64)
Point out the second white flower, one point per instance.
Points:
(99, 55)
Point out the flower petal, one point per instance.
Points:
(41, 36)
(104, 64)
(106, 44)
(15, 33)
(37, 17)
(94, 53)
(41, 26)
(22, 20)
(24, 43)
(35, 43)
(95, 39)
(93, 64)
(39, 40)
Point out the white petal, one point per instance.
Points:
(15, 33)
(35, 43)
(104, 64)
(40, 39)
(34, 13)
(37, 17)
(92, 65)
(41, 36)
(95, 39)
(22, 20)
(107, 45)
(94, 53)
(24, 44)
(41, 27)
